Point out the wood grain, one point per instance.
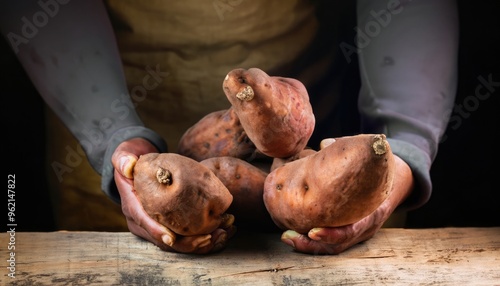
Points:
(444, 256)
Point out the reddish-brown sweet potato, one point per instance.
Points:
(219, 133)
(274, 111)
(246, 183)
(338, 185)
(278, 162)
(181, 194)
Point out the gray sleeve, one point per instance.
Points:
(68, 50)
(408, 63)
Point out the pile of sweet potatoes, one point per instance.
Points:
(217, 167)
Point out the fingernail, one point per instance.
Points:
(288, 236)
(167, 239)
(326, 142)
(128, 168)
(206, 241)
(315, 233)
(227, 220)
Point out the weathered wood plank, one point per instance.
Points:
(446, 256)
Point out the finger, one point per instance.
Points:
(202, 244)
(343, 237)
(217, 243)
(157, 231)
(220, 238)
(336, 235)
(227, 220)
(192, 244)
(302, 243)
(124, 163)
(124, 186)
(208, 243)
(326, 142)
(141, 232)
(132, 209)
(231, 231)
(127, 153)
(356, 232)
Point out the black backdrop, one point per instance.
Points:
(464, 173)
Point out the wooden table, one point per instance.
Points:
(445, 256)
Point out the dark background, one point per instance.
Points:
(465, 191)
(465, 171)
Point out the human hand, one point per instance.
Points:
(140, 223)
(338, 239)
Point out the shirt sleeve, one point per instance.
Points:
(68, 50)
(408, 54)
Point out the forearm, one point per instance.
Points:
(408, 64)
(72, 59)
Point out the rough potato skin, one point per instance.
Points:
(336, 186)
(274, 111)
(246, 183)
(218, 133)
(190, 201)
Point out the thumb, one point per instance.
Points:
(326, 142)
(124, 163)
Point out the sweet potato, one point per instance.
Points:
(336, 186)
(278, 162)
(245, 182)
(181, 194)
(219, 133)
(274, 111)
